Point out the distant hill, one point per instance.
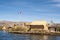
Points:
(10, 23)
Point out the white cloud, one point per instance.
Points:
(56, 0)
(57, 3)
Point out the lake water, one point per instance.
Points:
(10, 36)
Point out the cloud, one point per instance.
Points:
(56, 0)
(56, 3)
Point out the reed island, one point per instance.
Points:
(34, 27)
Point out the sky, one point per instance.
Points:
(30, 10)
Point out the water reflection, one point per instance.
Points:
(10, 36)
(22, 37)
(35, 37)
(39, 37)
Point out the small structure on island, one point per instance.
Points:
(52, 27)
(38, 25)
(4, 28)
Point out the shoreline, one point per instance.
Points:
(40, 33)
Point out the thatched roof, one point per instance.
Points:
(38, 22)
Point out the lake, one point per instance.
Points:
(11, 36)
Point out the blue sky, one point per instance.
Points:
(30, 10)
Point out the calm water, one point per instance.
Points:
(10, 36)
